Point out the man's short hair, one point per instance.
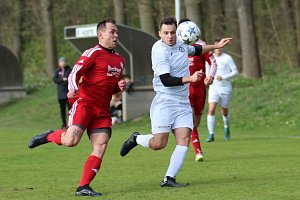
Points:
(102, 24)
(183, 20)
(168, 21)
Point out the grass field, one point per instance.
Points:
(262, 161)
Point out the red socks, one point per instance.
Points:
(90, 169)
(55, 137)
(92, 165)
(196, 141)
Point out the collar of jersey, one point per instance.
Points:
(108, 50)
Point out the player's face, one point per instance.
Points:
(218, 51)
(168, 34)
(108, 37)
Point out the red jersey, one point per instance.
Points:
(99, 70)
(197, 63)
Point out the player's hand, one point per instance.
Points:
(72, 94)
(208, 80)
(122, 85)
(196, 76)
(224, 42)
(219, 78)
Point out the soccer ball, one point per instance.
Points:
(188, 32)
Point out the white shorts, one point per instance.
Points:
(167, 114)
(220, 95)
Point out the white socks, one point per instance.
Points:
(226, 120)
(210, 123)
(143, 140)
(176, 160)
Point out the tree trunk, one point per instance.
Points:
(119, 8)
(282, 47)
(205, 22)
(216, 18)
(146, 17)
(50, 44)
(251, 62)
(193, 11)
(297, 20)
(233, 30)
(289, 28)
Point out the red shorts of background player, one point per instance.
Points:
(197, 98)
(88, 116)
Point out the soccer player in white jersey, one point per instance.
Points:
(220, 92)
(170, 109)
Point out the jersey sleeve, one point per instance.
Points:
(191, 50)
(160, 61)
(212, 63)
(82, 65)
(234, 72)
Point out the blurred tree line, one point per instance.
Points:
(266, 32)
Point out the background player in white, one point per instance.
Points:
(170, 109)
(220, 92)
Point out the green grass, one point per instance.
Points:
(262, 161)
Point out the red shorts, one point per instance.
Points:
(197, 98)
(88, 116)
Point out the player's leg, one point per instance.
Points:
(195, 140)
(213, 99)
(69, 137)
(197, 100)
(226, 120)
(99, 139)
(160, 122)
(211, 120)
(225, 100)
(182, 128)
(156, 141)
(78, 120)
(182, 136)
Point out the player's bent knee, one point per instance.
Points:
(70, 142)
(158, 145)
(224, 112)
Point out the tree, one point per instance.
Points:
(289, 28)
(250, 55)
(233, 30)
(146, 17)
(50, 44)
(280, 40)
(216, 18)
(192, 11)
(297, 19)
(119, 9)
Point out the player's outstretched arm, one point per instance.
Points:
(221, 44)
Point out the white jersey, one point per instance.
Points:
(226, 69)
(173, 60)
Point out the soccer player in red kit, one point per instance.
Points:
(198, 93)
(100, 70)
